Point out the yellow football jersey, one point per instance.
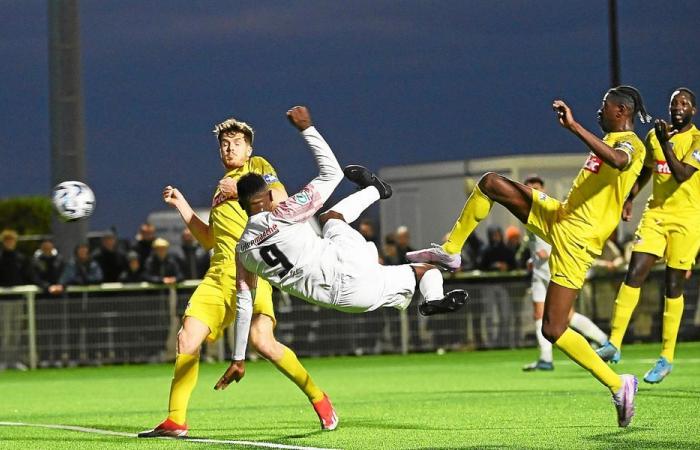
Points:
(667, 195)
(227, 219)
(594, 203)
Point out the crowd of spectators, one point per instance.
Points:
(148, 258)
(151, 258)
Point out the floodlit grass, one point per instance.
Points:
(456, 400)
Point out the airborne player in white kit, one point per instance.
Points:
(339, 270)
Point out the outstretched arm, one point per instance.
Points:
(245, 295)
(330, 173)
(680, 170)
(615, 157)
(199, 228)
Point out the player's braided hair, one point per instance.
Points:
(232, 125)
(687, 91)
(631, 98)
(249, 185)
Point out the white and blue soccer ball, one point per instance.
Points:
(73, 200)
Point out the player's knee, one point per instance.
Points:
(553, 331)
(674, 285)
(635, 275)
(263, 344)
(488, 182)
(328, 215)
(186, 344)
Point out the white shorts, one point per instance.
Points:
(539, 288)
(364, 284)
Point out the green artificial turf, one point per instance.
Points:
(455, 400)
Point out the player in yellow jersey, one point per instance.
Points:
(212, 306)
(670, 227)
(576, 228)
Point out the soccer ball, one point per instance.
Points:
(73, 200)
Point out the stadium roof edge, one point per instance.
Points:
(476, 166)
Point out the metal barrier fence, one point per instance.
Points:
(115, 323)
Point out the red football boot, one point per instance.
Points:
(167, 428)
(326, 413)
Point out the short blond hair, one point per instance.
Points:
(231, 125)
(8, 233)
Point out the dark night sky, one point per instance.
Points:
(388, 83)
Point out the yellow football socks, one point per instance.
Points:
(292, 368)
(184, 380)
(475, 210)
(626, 301)
(673, 311)
(577, 348)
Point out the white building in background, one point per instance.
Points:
(428, 197)
(169, 224)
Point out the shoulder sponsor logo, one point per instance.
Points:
(662, 167)
(696, 155)
(270, 178)
(543, 196)
(625, 146)
(301, 198)
(593, 163)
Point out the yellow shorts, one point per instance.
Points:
(570, 258)
(214, 300)
(667, 235)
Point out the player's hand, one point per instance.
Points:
(627, 210)
(663, 131)
(235, 372)
(564, 114)
(171, 195)
(227, 186)
(300, 117)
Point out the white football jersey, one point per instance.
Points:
(282, 247)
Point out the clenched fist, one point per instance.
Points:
(300, 117)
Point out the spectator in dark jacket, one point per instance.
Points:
(496, 255)
(193, 259)
(403, 243)
(15, 268)
(161, 266)
(112, 261)
(81, 269)
(144, 242)
(134, 271)
(48, 265)
(471, 252)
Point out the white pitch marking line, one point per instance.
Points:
(133, 435)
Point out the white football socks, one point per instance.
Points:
(586, 327)
(430, 285)
(545, 345)
(352, 206)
